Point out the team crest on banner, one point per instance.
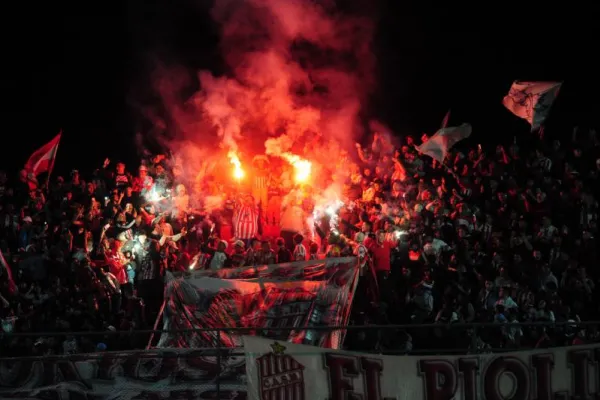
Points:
(281, 377)
(531, 100)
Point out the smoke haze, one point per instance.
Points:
(298, 74)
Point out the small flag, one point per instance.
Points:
(445, 120)
(42, 160)
(531, 100)
(438, 145)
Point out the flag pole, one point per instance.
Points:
(52, 163)
(445, 120)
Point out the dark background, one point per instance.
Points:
(80, 69)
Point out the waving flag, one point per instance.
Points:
(42, 160)
(439, 144)
(531, 100)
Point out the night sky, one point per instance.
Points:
(82, 69)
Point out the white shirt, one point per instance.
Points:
(218, 260)
(508, 303)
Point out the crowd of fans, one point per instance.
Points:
(488, 236)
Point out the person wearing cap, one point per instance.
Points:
(142, 182)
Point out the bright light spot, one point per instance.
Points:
(238, 172)
(152, 196)
(192, 266)
(302, 167)
(398, 234)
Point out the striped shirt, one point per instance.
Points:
(261, 181)
(299, 253)
(245, 222)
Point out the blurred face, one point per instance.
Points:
(120, 168)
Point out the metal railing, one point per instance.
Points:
(242, 330)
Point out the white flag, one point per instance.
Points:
(439, 144)
(531, 100)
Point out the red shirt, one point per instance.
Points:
(382, 255)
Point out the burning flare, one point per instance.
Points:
(303, 167)
(238, 172)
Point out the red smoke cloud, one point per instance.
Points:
(297, 73)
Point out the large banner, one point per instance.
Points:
(264, 299)
(153, 375)
(285, 371)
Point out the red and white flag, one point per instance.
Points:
(42, 160)
(438, 145)
(531, 100)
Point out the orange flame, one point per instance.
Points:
(303, 167)
(238, 172)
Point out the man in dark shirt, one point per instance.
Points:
(149, 275)
(283, 254)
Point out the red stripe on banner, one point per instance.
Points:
(265, 299)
